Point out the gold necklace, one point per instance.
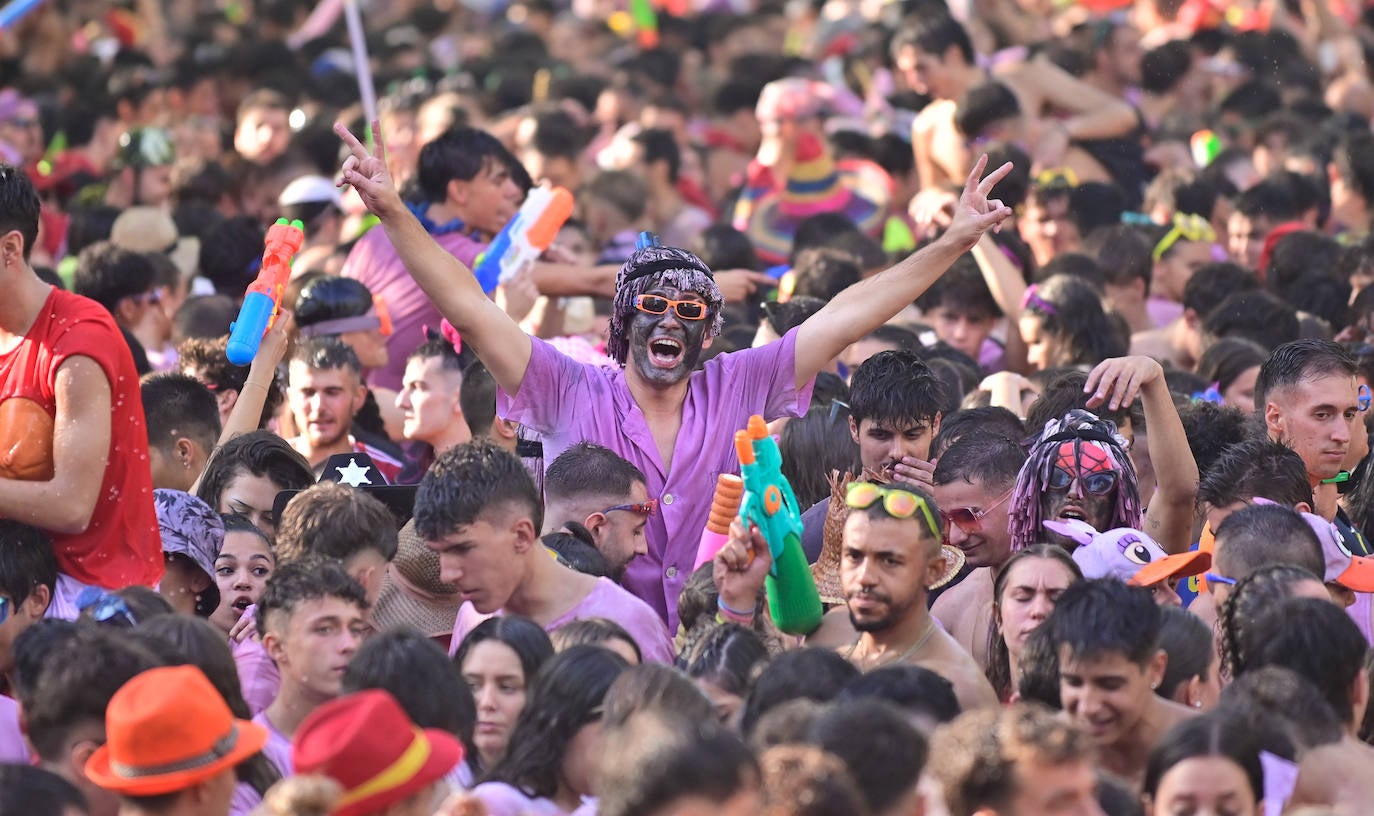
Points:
(915, 647)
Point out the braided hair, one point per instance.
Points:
(1077, 426)
(1250, 598)
(657, 266)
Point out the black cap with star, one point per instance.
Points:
(357, 470)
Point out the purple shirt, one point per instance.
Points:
(606, 600)
(568, 402)
(501, 799)
(258, 675)
(13, 749)
(244, 801)
(1163, 311)
(278, 747)
(373, 261)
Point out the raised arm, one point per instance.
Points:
(1094, 114)
(1116, 382)
(861, 308)
(65, 503)
(497, 339)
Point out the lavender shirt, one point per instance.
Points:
(278, 747)
(501, 799)
(568, 402)
(258, 675)
(606, 600)
(374, 262)
(1163, 311)
(13, 749)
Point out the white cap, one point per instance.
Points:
(310, 190)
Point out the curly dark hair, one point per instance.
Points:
(209, 360)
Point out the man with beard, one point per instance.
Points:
(675, 424)
(1080, 467)
(892, 553)
(325, 391)
(973, 484)
(590, 486)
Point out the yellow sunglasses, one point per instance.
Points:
(1187, 227)
(898, 503)
(1056, 178)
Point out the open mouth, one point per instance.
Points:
(665, 352)
(242, 603)
(1072, 513)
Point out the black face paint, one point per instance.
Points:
(665, 348)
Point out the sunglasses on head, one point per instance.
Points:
(898, 503)
(657, 305)
(105, 607)
(1056, 178)
(1187, 227)
(970, 520)
(1098, 484)
(644, 508)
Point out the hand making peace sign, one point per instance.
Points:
(975, 214)
(367, 172)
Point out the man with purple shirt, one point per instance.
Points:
(478, 508)
(674, 423)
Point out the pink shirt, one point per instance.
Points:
(1163, 311)
(567, 402)
(278, 747)
(501, 799)
(13, 749)
(258, 675)
(373, 261)
(606, 600)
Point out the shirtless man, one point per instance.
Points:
(936, 57)
(1107, 637)
(891, 554)
(973, 483)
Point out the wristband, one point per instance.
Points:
(734, 614)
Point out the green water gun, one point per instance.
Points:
(769, 504)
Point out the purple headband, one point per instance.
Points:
(362, 322)
(1032, 300)
(663, 265)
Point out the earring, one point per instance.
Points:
(1155, 685)
(1197, 704)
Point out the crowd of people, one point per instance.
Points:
(1058, 313)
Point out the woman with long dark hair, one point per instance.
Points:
(548, 768)
(1065, 324)
(1024, 593)
(246, 473)
(499, 660)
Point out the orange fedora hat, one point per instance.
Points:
(169, 729)
(368, 744)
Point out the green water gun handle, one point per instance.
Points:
(769, 503)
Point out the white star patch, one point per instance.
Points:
(354, 475)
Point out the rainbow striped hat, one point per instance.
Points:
(857, 189)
